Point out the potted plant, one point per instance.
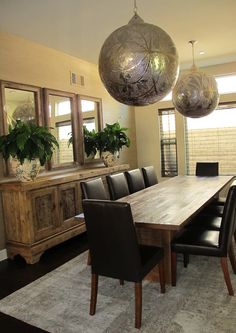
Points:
(90, 146)
(29, 144)
(110, 141)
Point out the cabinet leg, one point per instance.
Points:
(29, 257)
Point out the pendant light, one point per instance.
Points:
(138, 63)
(195, 94)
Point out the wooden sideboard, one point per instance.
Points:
(41, 214)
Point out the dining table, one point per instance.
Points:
(162, 210)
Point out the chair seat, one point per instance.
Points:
(208, 222)
(197, 241)
(214, 210)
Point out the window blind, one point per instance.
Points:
(168, 143)
(212, 138)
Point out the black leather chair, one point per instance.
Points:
(149, 176)
(216, 243)
(115, 251)
(207, 169)
(93, 189)
(117, 186)
(210, 169)
(135, 180)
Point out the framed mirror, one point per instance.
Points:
(19, 101)
(60, 115)
(91, 112)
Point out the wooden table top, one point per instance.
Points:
(172, 203)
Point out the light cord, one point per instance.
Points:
(135, 8)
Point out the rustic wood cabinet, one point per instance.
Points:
(41, 214)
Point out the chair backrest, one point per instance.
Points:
(117, 186)
(93, 189)
(135, 180)
(228, 223)
(149, 176)
(112, 239)
(207, 169)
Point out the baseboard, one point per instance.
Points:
(3, 254)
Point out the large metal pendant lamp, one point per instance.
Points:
(195, 94)
(138, 63)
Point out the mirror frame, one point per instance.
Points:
(37, 91)
(77, 141)
(98, 101)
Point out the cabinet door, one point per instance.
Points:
(69, 204)
(45, 212)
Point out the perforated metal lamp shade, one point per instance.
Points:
(138, 63)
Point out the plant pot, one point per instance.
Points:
(27, 171)
(109, 159)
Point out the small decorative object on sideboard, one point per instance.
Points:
(110, 141)
(30, 147)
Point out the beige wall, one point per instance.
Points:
(147, 126)
(30, 63)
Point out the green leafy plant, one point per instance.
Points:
(112, 138)
(90, 145)
(27, 140)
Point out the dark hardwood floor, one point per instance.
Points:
(15, 274)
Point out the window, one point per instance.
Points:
(226, 84)
(212, 138)
(168, 143)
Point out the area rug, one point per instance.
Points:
(59, 302)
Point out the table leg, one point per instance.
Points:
(158, 238)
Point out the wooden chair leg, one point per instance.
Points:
(121, 282)
(89, 259)
(186, 259)
(94, 292)
(232, 257)
(138, 304)
(173, 268)
(162, 276)
(225, 270)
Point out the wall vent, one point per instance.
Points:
(76, 79)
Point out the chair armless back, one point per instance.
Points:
(228, 223)
(93, 189)
(207, 169)
(117, 185)
(112, 239)
(135, 180)
(149, 176)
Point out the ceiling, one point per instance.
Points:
(80, 27)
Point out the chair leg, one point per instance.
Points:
(225, 270)
(89, 259)
(186, 259)
(162, 276)
(94, 292)
(173, 268)
(235, 236)
(121, 282)
(138, 304)
(232, 257)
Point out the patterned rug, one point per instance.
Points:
(59, 302)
